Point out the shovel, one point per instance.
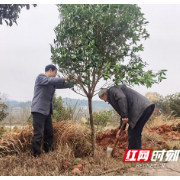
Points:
(111, 150)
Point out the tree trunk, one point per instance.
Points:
(92, 124)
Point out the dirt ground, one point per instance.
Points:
(168, 169)
(167, 132)
(57, 162)
(106, 139)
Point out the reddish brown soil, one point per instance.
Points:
(67, 164)
(167, 132)
(106, 139)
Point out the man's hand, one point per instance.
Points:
(79, 79)
(69, 77)
(125, 120)
(66, 79)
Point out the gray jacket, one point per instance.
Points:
(128, 103)
(44, 90)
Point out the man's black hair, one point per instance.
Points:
(50, 66)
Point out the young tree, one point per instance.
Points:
(101, 42)
(10, 12)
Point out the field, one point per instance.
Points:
(161, 132)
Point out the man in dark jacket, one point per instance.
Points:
(42, 107)
(133, 108)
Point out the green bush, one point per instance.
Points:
(2, 131)
(70, 112)
(30, 119)
(101, 118)
(60, 112)
(3, 110)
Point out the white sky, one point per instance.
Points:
(25, 50)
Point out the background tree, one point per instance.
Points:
(3, 108)
(60, 112)
(67, 110)
(175, 106)
(102, 118)
(161, 103)
(153, 96)
(102, 42)
(174, 103)
(10, 12)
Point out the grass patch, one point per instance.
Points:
(72, 141)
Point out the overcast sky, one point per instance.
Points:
(25, 50)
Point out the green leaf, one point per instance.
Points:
(52, 50)
(75, 161)
(103, 38)
(149, 84)
(163, 78)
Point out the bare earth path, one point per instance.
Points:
(170, 169)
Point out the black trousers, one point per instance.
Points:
(42, 127)
(134, 135)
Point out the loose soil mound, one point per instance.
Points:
(176, 127)
(106, 139)
(167, 132)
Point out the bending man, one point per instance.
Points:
(133, 108)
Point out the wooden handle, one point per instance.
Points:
(122, 127)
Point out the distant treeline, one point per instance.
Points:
(12, 104)
(96, 105)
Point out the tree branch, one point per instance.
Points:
(99, 77)
(82, 87)
(102, 87)
(78, 93)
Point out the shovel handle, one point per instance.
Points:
(122, 127)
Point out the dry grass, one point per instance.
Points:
(154, 137)
(16, 141)
(25, 165)
(170, 120)
(72, 140)
(75, 135)
(151, 140)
